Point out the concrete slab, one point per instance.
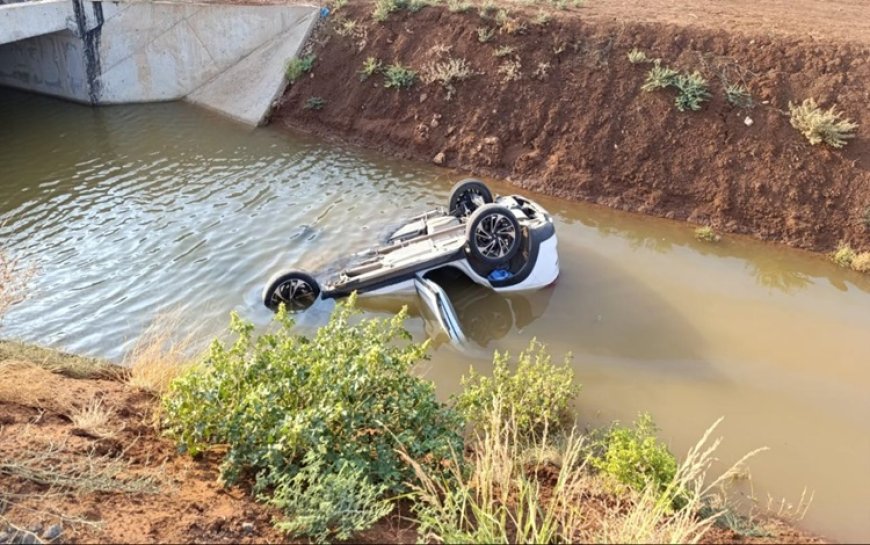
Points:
(247, 90)
(227, 57)
(28, 19)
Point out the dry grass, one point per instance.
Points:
(503, 498)
(68, 365)
(447, 72)
(94, 419)
(159, 355)
(819, 125)
(861, 262)
(510, 70)
(54, 467)
(844, 255)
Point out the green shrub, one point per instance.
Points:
(537, 395)
(819, 125)
(738, 95)
(399, 77)
(326, 505)
(370, 66)
(347, 395)
(867, 217)
(314, 103)
(659, 77)
(692, 89)
(844, 255)
(635, 458)
(707, 234)
(457, 6)
(383, 9)
(299, 66)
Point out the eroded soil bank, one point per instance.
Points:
(570, 118)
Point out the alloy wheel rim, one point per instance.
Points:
(295, 294)
(494, 236)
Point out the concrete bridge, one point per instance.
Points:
(227, 57)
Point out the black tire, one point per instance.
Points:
(296, 289)
(494, 235)
(468, 195)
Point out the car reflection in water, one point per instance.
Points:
(485, 316)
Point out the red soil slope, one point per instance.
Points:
(577, 125)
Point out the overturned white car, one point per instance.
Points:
(506, 244)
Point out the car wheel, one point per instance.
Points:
(493, 234)
(296, 289)
(467, 196)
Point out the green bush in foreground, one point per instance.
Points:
(324, 504)
(346, 396)
(635, 458)
(536, 395)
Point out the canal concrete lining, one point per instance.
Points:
(229, 58)
(27, 19)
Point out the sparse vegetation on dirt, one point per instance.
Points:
(397, 76)
(447, 72)
(711, 69)
(845, 256)
(819, 125)
(298, 67)
(315, 103)
(707, 234)
(636, 56)
(738, 95)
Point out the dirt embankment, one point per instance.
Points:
(575, 123)
(81, 461)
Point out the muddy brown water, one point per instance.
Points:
(135, 211)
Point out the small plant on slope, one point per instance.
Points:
(707, 234)
(738, 95)
(314, 103)
(447, 72)
(537, 395)
(692, 89)
(383, 9)
(399, 77)
(370, 66)
(636, 56)
(819, 125)
(844, 255)
(659, 77)
(297, 67)
(861, 262)
(485, 34)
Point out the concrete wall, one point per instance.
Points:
(230, 58)
(28, 19)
